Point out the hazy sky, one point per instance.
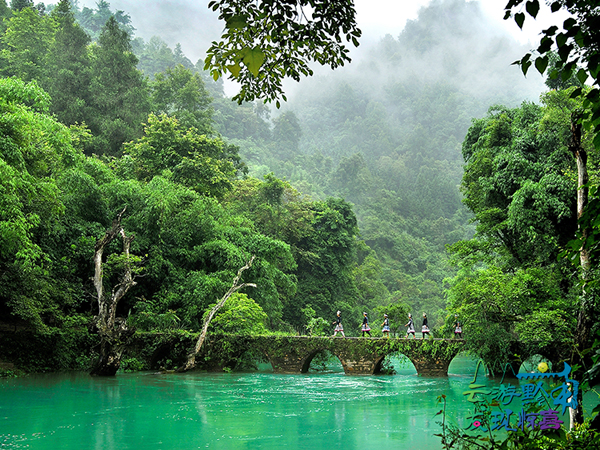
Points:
(191, 24)
(194, 26)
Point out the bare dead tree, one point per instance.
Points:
(191, 361)
(113, 331)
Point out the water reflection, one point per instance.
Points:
(231, 411)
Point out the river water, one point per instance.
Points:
(257, 410)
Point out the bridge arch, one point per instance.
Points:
(381, 361)
(309, 359)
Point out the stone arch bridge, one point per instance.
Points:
(358, 356)
(293, 354)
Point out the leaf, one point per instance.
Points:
(569, 23)
(576, 93)
(545, 45)
(253, 60)
(236, 22)
(532, 7)
(234, 69)
(555, 6)
(561, 39)
(541, 63)
(520, 18)
(582, 76)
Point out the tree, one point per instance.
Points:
(34, 150)
(113, 331)
(5, 11)
(191, 361)
(155, 56)
(18, 5)
(67, 70)
(267, 41)
(194, 160)
(286, 135)
(514, 183)
(93, 21)
(26, 41)
(577, 45)
(180, 93)
(239, 315)
(525, 187)
(120, 101)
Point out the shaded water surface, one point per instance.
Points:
(230, 411)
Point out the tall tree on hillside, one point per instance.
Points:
(4, 10)
(120, 101)
(192, 159)
(18, 5)
(180, 93)
(156, 56)
(26, 41)
(68, 72)
(5, 13)
(93, 21)
(286, 135)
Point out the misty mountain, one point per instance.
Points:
(384, 132)
(186, 22)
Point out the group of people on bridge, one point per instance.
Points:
(386, 326)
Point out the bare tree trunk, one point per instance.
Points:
(191, 361)
(584, 320)
(113, 331)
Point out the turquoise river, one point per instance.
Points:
(256, 410)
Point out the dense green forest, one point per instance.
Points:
(412, 181)
(86, 133)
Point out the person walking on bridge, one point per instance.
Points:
(411, 327)
(338, 325)
(365, 325)
(425, 328)
(386, 326)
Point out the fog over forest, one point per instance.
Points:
(383, 132)
(467, 40)
(359, 173)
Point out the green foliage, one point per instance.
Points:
(240, 315)
(516, 184)
(189, 158)
(155, 56)
(264, 43)
(315, 326)
(132, 365)
(26, 42)
(120, 102)
(34, 149)
(180, 93)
